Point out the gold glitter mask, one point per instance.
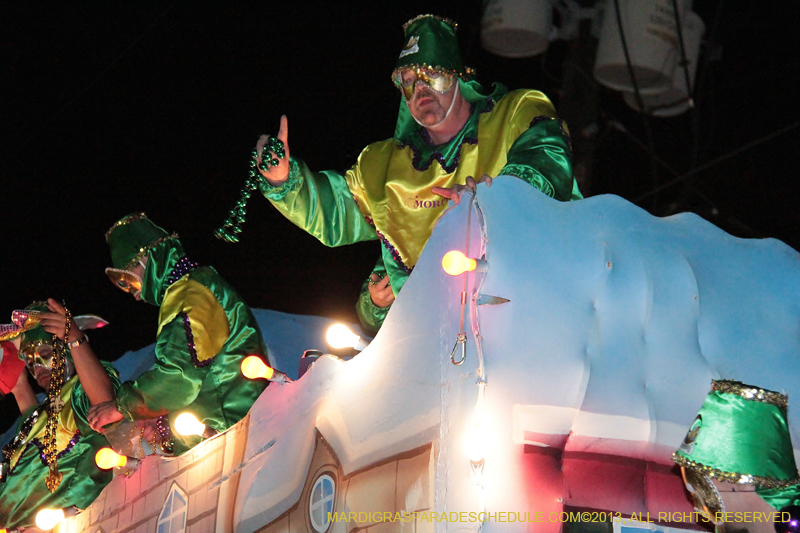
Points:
(125, 280)
(39, 353)
(407, 79)
(706, 497)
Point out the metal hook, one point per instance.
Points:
(462, 340)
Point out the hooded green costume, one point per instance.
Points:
(24, 492)
(387, 194)
(205, 330)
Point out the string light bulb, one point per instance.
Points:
(186, 424)
(340, 336)
(253, 367)
(475, 445)
(106, 458)
(456, 263)
(47, 519)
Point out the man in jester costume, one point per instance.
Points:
(205, 330)
(50, 462)
(451, 132)
(737, 457)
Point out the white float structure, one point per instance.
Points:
(572, 396)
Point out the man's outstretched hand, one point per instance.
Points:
(103, 414)
(276, 175)
(454, 193)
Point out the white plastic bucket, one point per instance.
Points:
(675, 100)
(516, 28)
(652, 42)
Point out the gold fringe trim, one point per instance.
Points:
(734, 477)
(749, 392)
(144, 250)
(447, 21)
(127, 220)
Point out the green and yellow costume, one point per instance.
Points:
(24, 492)
(205, 329)
(387, 194)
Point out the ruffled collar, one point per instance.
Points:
(448, 154)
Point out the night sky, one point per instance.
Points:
(109, 108)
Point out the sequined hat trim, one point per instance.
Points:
(748, 392)
(144, 250)
(447, 21)
(734, 477)
(127, 220)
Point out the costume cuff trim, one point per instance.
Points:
(278, 193)
(126, 415)
(530, 176)
(378, 313)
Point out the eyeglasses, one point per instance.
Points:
(125, 280)
(407, 79)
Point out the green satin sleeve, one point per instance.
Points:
(172, 383)
(320, 203)
(81, 403)
(370, 315)
(542, 157)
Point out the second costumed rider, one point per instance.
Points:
(205, 330)
(50, 462)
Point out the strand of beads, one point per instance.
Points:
(54, 405)
(233, 224)
(164, 431)
(10, 449)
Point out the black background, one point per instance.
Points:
(114, 107)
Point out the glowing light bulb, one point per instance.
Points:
(475, 444)
(455, 263)
(340, 336)
(106, 458)
(186, 424)
(47, 519)
(253, 367)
